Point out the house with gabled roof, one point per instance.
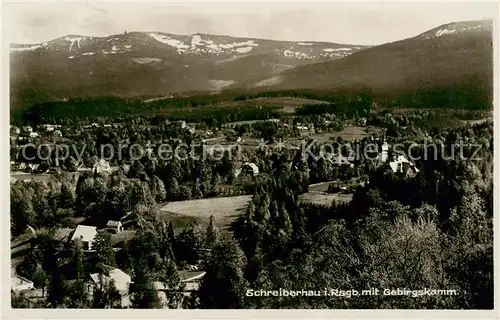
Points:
(249, 167)
(342, 160)
(399, 164)
(120, 279)
(115, 226)
(86, 234)
(190, 281)
(19, 283)
(102, 166)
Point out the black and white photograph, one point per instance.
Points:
(254, 155)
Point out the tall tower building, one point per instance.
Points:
(385, 150)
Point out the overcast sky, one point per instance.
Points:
(350, 23)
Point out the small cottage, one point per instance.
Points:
(247, 167)
(115, 226)
(86, 234)
(102, 166)
(402, 165)
(19, 283)
(121, 280)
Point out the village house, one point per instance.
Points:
(191, 279)
(23, 166)
(121, 280)
(402, 165)
(115, 226)
(49, 127)
(190, 282)
(57, 134)
(34, 135)
(14, 130)
(342, 161)
(86, 234)
(361, 121)
(247, 167)
(19, 284)
(101, 166)
(274, 120)
(33, 166)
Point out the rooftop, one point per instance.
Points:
(85, 233)
(17, 280)
(187, 276)
(121, 279)
(397, 164)
(113, 223)
(250, 165)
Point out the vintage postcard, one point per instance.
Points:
(182, 156)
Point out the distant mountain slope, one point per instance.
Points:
(454, 54)
(152, 63)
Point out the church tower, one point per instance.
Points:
(385, 150)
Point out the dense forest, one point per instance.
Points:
(204, 107)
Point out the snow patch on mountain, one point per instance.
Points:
(169, 41)
(146, 60)
(238, 44)
(444, 31)
(220, 84)
(73, 40)
(269, 82)
(305, 43)
(299, 55)
(198, 45)
(463, 27)
(195, 40)
(337, 49)
(34, 47)
(243, 50)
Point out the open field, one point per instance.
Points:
(323, 198)
(272, 101)
(323, 186)
(225, 210)
(288, 104)
(180, 221)
(350, 132)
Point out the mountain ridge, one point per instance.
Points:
(135, 64)
(434, 57)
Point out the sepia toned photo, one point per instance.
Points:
(251, 155)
